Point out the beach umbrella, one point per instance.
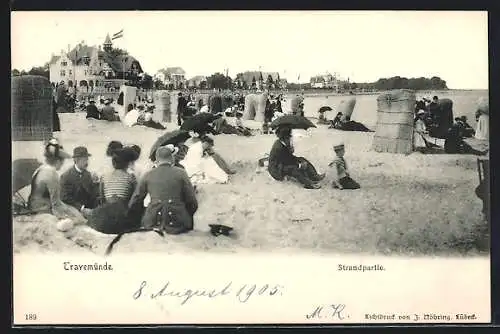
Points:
(324, 109)
(199, 121)
(173, 137)
(292, 121)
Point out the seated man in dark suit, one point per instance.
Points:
(92, 111)
(173, 201)
(283, 163)
(78, 187)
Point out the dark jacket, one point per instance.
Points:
(92, 112)
(108, 114)
(269, 111)
(171, 194)
(278, 106)
(279, 157)
(181, 105)
(56, 124)
(78, 189)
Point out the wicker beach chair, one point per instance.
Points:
(22, 172)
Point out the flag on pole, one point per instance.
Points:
(118, 35)
(298, 78)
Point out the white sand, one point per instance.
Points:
(408, 204)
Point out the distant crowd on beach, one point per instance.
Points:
(434, 119)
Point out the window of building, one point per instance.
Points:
(85, 72)
(62, 73)
(64, 63)
(70, 72)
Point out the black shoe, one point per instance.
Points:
(312, 186)
(321, 177)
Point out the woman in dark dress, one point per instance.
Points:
(56, 124)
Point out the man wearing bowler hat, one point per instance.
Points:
(79, 188)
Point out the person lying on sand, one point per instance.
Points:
(173, 200)
(347, 124)
(222, 126)
(45, 195)
(146, 118)
(282, 162)
(343, 179)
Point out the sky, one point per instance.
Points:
(360, 45)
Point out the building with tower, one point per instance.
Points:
(87, 67)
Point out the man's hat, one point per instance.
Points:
(81, 152)
(141, 106)
(217, 229)
(166, 152)
(420, 112)
(338, 144)
(463, 118)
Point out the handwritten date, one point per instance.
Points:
(331, 311)
(242, 293)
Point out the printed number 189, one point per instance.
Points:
(30, 316)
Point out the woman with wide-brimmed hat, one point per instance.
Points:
(45, 196)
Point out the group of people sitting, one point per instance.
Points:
(428, 116)
(105, 111)
(283, 164)
(127, 198)
(142, 114)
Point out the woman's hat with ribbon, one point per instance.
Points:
(53, 149)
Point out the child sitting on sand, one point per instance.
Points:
(343, 179)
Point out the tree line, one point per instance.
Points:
(397, 82)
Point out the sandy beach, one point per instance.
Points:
(408, 205)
